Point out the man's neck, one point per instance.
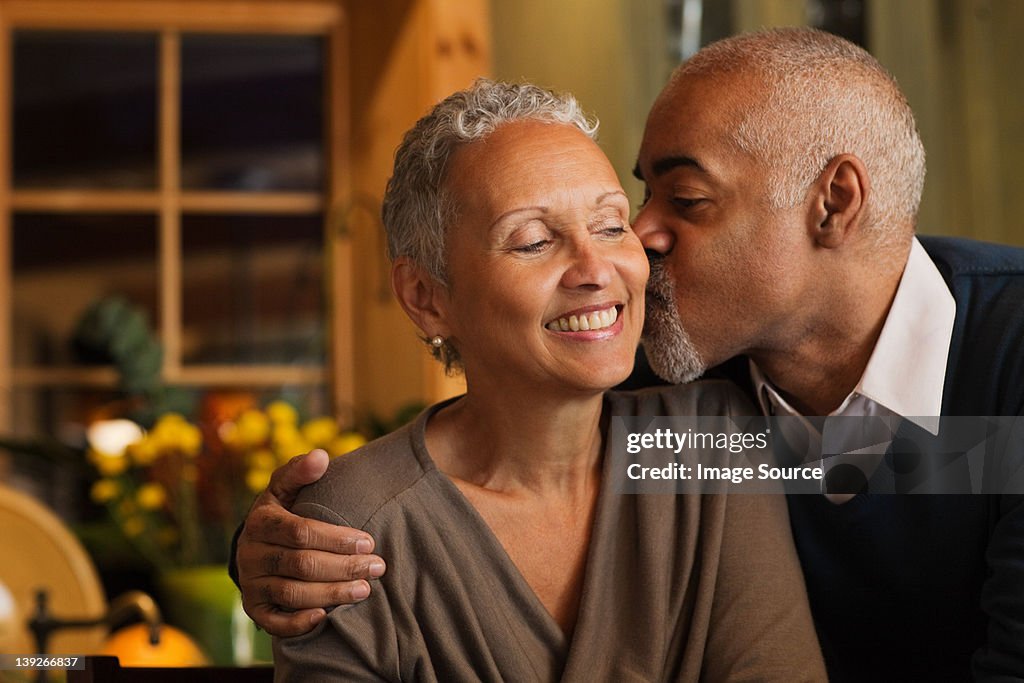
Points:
(817, 369)
(815, 390)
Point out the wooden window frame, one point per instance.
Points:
(169, 19)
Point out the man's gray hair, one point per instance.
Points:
(823, 96)
(417, 211)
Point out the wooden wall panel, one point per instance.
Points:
(6, 330)
(406, 55)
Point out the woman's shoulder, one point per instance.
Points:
(700, 397)
(360, 483)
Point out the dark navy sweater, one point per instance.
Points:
(931, 587)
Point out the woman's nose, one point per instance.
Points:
(653, 234)
(589, 266)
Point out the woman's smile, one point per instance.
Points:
(592, 319)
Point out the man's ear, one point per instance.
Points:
(840, 198)
(421, 296)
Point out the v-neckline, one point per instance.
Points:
(504, 563)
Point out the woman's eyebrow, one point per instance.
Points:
(512, 212)
(613, 193)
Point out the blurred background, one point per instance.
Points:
(193, 286)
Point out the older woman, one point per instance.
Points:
(512, 252)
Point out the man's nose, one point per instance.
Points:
(653, 234)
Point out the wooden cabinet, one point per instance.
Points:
(220, 165)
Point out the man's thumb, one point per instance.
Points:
(289, 478)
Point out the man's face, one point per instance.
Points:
(740, 268)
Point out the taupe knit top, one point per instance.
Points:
(676, 587)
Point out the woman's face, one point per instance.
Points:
(546, 278)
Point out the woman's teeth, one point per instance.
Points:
(588, 321)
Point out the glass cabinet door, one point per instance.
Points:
(252, 113)
(84, 110)
(184, 172)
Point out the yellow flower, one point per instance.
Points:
(253, 428)
(108, 464)
(288, 442)
(133, 526)
(170, 433)
(282, 413)
(290, 450)
(346, 443)
(284, 433)
(262, 459)
(257, 479)
(169, 421)
(320, 431)
(151, 496)
(143, 453)
(104, 491)
(191, 440)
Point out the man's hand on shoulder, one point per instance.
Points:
(291, 568)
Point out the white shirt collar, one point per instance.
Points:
(907, 368)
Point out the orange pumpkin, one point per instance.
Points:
(132, 647)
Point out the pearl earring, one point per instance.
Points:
(437, 341)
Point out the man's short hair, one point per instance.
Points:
(822, 96)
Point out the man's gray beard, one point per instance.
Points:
(668, 347)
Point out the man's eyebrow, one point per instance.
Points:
(666, 164)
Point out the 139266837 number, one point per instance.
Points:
(36, 662)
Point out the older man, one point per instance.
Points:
(783, 173)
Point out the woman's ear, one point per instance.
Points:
(421, 296)
(839, 205)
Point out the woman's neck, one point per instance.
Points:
(537, 444)
(530, 463)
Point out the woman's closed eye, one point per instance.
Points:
(613, 231)
(532, 247)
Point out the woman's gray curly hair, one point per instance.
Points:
(417, 211)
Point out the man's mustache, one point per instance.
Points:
(660, 286)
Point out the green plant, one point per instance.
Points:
(112, 331)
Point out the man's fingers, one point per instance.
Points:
(286, 624)
(277, 593)
(314, 565)
(276, 526)
(302, 470)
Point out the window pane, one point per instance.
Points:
(253, 290)
(252, 112)
(64, 263)
(85, 109)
